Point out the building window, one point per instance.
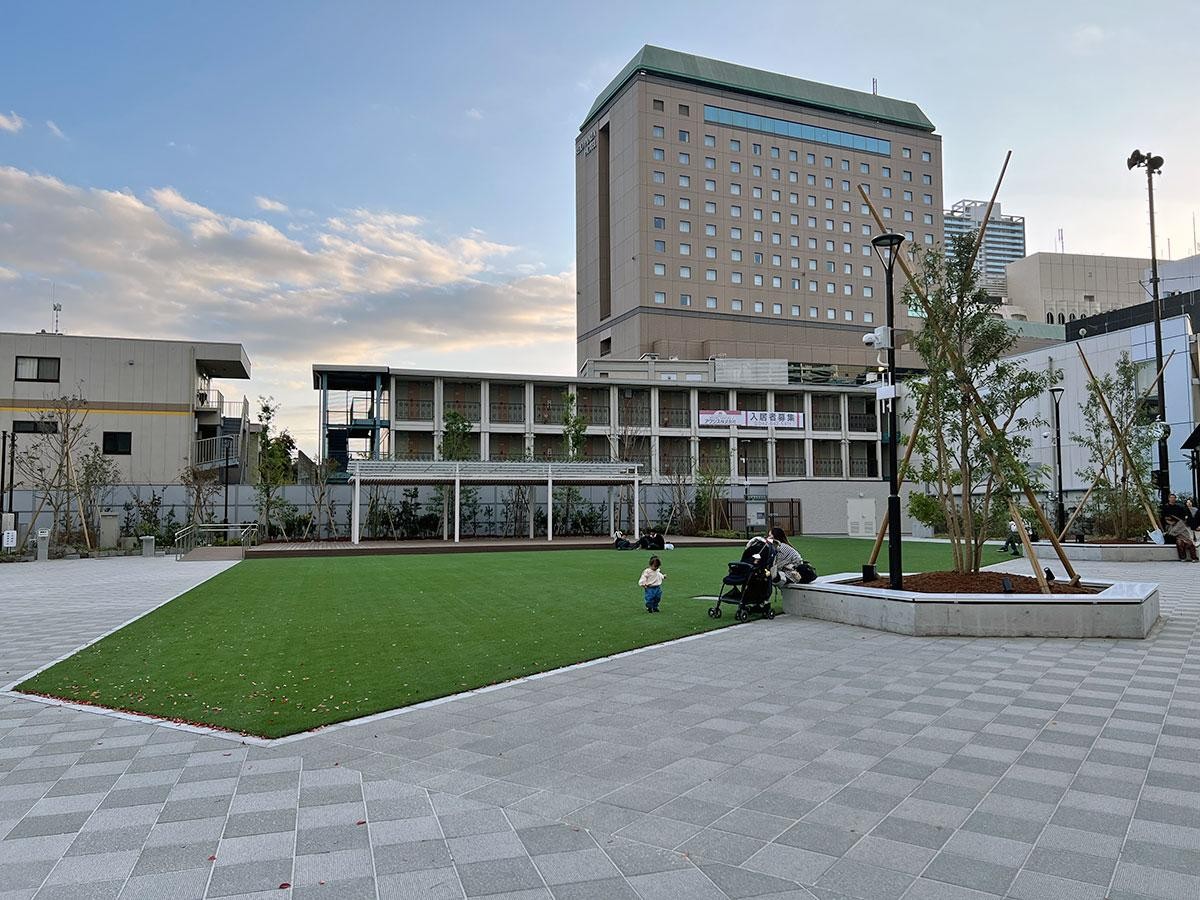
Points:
(813, 312)
(886, 171)
(659, 153)
(710, 274)
(660, 269)
(710, 162)
(795, 310)
(735, 234)
(777, 309)
(685, 271)
(685, 226)
(735, 255)
(868, 292)
(657, 131)
(37, 368)
(660, 223)
(735, 305)
(657, 105)
(606, 346)
(758, 306)
(710, 140)
(830, 287)
(735, 277)
(685, 299)
(849, 315)
(710, 252)
(660, 177)
(710, 229)
(710, 302)
(758, 280)
(660, 199)
(927, 179)
(812, 286)
(660, 246)
(683, 109)
(41, 426)
(828, 162)
(685, 181)
(848, 290)
(868, 317)
(683, 137)
(660, 297)
(685, 249)
(710, 184)
(735, 146)
(686, 203)
(684, 159)
(117, 443)
(831, 313)
(710, 208)
(926, 156)
(735, 189)
(735, 212)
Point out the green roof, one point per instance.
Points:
(743, 79)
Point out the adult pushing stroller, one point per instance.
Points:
(748, 584)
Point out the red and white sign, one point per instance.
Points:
(753, 418)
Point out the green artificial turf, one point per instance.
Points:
(274, 647)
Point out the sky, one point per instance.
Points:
(393, 183)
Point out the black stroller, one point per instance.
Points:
(748, 584)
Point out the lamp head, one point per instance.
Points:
(887, 247)
(1136, 158)
(1056, 393)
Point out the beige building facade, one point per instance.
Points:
(152, 406)
(718, 213)
(1057, 288)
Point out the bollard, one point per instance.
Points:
(147, 545)
(43, 544)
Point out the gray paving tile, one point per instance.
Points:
(976, 874)
(250, 877)
(495, 876)
(434, 884)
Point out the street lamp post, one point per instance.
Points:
(887, 246)
(1059, 511)
(1153, 166)
(227, 443)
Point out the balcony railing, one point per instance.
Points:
(210, 452)
(598, 414)
(862, 421)
(414, 410)
(548, 413)
(789, 466)
(468, 409)
(754, 468)
(674, 418)
(637, 416)
(861, 468)
(826, 421)
(506, 413)
(827, 468)
(414, 455)
(675, 465)
(210, 400)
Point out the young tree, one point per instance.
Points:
(1116, 503)
(275, 468)
(455, 445)
(47, 462)
(96, 476)
(574, 428)
(975, 472)
(202, 486)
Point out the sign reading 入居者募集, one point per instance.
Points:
(750, 418)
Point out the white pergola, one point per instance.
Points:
(495, 473)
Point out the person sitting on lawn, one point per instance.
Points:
(1184, 545)
(620, 542)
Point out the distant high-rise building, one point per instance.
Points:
(1062, 287)
(718, 213)
(1003, 242)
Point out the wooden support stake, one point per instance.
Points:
(1043, 584)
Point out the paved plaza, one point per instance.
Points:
(784, 759)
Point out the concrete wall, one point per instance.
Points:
(823, 504)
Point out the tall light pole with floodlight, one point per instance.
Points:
(1059, 511)
(1153, 166)
(887, 246)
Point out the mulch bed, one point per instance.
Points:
(980, 583)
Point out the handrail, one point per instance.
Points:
(446, 471)
(188, 537)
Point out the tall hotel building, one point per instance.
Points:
(718, 214)
(1003, 242)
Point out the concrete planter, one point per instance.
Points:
(1109, 552)
(1121, 610)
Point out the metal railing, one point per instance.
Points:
(638, 416)
(827, 468)
(790, 466)
(754, 467)
(445, 471)
(595, 415)
(674, 417)
(468, 409)
(211, 451)
(861, 468)
(826, 421)
(505, 413)
(209, 399)
(414, 410)
(547, 413)
(862, 421)
(187, 539)
(671, 464)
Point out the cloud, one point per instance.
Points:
(269, 205)
(55, 130)
(474, 113)
(1086, 39)
(366, 286)
(11, 123)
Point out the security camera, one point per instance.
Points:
(869, 339)
(1045, 435)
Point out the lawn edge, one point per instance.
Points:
(259, 741)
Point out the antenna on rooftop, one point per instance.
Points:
(874, 85)
(57, 307)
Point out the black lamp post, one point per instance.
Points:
(1153, 166)
(227, 443)
(887, 246)
(1059, 512)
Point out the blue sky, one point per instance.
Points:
(394, 183)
